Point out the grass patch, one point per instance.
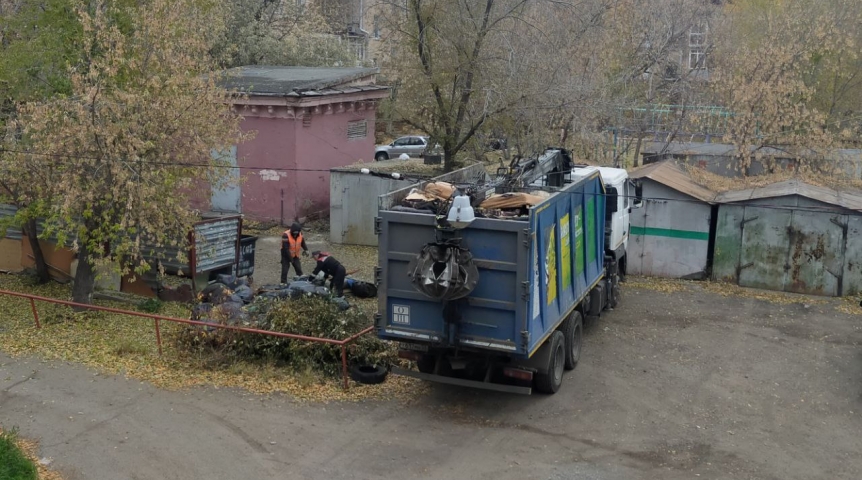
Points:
(14, 465)
(120, 344)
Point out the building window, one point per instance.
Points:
(357, 129)
(376, 31)
(697, 47)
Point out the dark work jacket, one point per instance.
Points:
(329, 266)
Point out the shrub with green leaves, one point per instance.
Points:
(14, 465)
(308, 316)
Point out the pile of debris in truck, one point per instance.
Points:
(231, 300)
(433, 196)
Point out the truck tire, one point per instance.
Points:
(550, 381)
(426, 363)
(573, 330)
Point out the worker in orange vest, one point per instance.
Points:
(291, 244)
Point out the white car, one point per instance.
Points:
(412, 145)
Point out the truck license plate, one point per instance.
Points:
(413, 346)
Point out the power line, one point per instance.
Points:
(408, 177)
(192, 165)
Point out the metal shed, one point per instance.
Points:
(790, 236)
(670, 234)
(353, 203)
(354, 199)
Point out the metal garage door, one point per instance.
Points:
(793, 251)
(765, 248)
(816, 253)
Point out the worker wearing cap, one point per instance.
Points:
(327, 266)
(292, 244)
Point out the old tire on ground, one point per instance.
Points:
(550, 381)
(380, 156)
(573, 331)
(368, 374)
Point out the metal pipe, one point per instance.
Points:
(157, 319)
(158, 336)
(35, 313)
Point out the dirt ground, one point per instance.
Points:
(267, 259)
(685, 384)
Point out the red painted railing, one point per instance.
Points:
(158, 318)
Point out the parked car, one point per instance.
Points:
(412, 145)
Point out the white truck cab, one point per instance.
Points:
(620, 192)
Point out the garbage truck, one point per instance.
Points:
(496, 298)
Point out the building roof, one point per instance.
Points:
(261, 80)
(846, 199)
(669, 175)
(724, 150)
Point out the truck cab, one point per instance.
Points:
(620, 192)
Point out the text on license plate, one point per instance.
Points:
(413, 346)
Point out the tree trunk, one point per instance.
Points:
(85, 277)
(449, 160)
(41, 266)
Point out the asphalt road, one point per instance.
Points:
(671, 385)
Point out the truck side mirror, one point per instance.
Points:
(639, 194)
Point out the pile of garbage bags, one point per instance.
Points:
(231, 300)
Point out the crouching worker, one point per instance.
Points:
(292, 244)
(329, 267)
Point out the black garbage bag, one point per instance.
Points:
(302, 288)
(244, 293)
(230, 313)
(201, 311)
(361, 289)
(341, 302)
(275, 294)
(215, 293)
(227, 279)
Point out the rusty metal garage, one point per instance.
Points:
(790, 236)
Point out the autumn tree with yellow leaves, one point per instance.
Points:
(134, 134)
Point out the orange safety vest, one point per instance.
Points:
(294, 245)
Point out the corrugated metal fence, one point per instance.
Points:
(6, 212)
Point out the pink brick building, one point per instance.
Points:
(307, 120)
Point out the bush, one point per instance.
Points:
(14, 465)
(150, 305)
(309, 316)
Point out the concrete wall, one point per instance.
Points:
(273, 147)
(304, 150)
(323, 145)
(10, 254)
(669, 238)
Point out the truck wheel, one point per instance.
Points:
(426, 363)
(574, 333)
(622, 268)
(550, 382)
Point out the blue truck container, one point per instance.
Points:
(533, 276)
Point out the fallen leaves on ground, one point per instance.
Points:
(784, 298)
(125, 345)
(664, 285)
(850, 306)
(671, 285)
